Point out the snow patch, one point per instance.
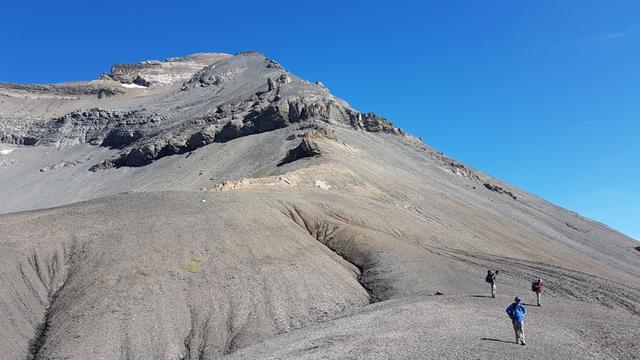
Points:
(164, 79)
(133, 86)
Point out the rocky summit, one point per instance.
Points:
(217, 206)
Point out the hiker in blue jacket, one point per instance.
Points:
(516, 312)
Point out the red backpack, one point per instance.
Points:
(535, 286)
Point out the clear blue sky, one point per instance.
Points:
(543, 94)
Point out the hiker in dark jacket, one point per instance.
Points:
(491, 279)
(537, 288)
(516, 312)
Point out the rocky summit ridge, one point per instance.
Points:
(230, 97)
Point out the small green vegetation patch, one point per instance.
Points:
(193, 265)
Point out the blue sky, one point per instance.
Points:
(543, 94)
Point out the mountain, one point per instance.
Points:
(218, 206)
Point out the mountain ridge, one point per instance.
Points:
(266, 98)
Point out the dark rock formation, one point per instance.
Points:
(372, 122)
(126, 73)
(575, 227)
(114, 129)
(306, 148)
(15, 139)
(121, 137)
(201, 138)
(499, 190)
(69, 89)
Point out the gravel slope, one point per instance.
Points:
(293, 226)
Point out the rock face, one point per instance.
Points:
(499, 190)
(152, 73)
(114, 129)
(219, 207)
(305, 149)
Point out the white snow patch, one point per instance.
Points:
(164, 79)
(133, 86)
(6, 151)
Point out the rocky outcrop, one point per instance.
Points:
(373, 123)
(157, 73)
(306, 148)
(127, 73)
(461, 170)
(97, 89)
(500, 190)
(203, 79)
(114, 129)
(17, 139)
(314, 131)
(121, 136)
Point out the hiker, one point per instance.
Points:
(537, 287)
(516, 312)
(491, 279)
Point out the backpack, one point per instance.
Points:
(489, 278)
(533, 286)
